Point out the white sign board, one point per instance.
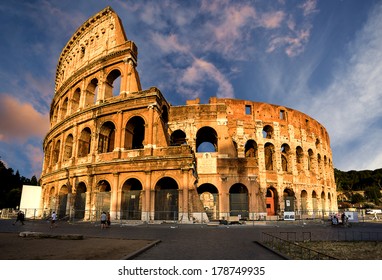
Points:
(289, 216)
(30, 199)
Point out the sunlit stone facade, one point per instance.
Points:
(115, 147)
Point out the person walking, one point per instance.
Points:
(103, 220)
(20, 217)
(53, 220)
(108, 219)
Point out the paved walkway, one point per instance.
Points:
(195, 242)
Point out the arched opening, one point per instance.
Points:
(209, 197)
(131, 200)
(113, 84)
(64, 108)
(269, 151)
(319, 163)
(251, 149)
(102, 198)
(76, 100)
(56, 152)
(238, 200)
(106, 138)
(268, 132)
(134, 133)
(48, 152)
(206, 140)
(52, 199)
(323, 207)
(310, 160)
(166, 199)
(55, 114)
(62, 202)
(304, 202)
(285, 154)
(299, 159)
(314, 203)
(91, 93)
(68, 152)
(84, 142)
(271, 201)
(289, 200)
(80, 201)
(178, 137)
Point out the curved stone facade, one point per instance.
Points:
(115, 147)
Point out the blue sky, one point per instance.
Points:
(323, 58)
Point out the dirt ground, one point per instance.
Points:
(360, 250)
(14, 247)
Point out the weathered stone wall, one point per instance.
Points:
(115, 147)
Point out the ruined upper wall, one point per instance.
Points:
(98, 37)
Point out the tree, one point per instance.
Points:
(356, 198)
(373, 194)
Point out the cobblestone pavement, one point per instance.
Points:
(200, 242)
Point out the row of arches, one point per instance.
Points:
(304, 202)
(88, 204)
(207, 141)
(94, 91)
(166, 200)
(134, 137)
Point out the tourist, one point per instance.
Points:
(20, 217)
(53, 220)
(103, 220)
(108, 219)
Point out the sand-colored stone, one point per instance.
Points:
(130, 152)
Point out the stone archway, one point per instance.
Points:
(102, 198)
(62, 202)
(209, 196)
(166, 199)
(239, 201)
(80, 201)
(271, 201)
(304, 202)
(289, 200)
(131, 200)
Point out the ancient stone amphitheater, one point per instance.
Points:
(116, 148)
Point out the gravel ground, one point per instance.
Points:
(14, 247)
(361, 250)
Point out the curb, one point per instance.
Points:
(140, 251)
(49, 235)
(270, 249)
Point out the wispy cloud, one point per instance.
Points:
(352, 105)
(200, 74)
(293, 39)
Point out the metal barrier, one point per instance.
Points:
(292, 249)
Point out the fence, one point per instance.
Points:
(287, 242)
(292, 249)
(131, 216)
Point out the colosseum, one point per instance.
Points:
(117, 148)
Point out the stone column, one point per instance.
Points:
(146, 201)
(118, 132)
(114, 196)
(183, 198)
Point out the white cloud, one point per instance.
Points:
(309, 7)
(352, 105)
(169, 43)
(202, 73)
